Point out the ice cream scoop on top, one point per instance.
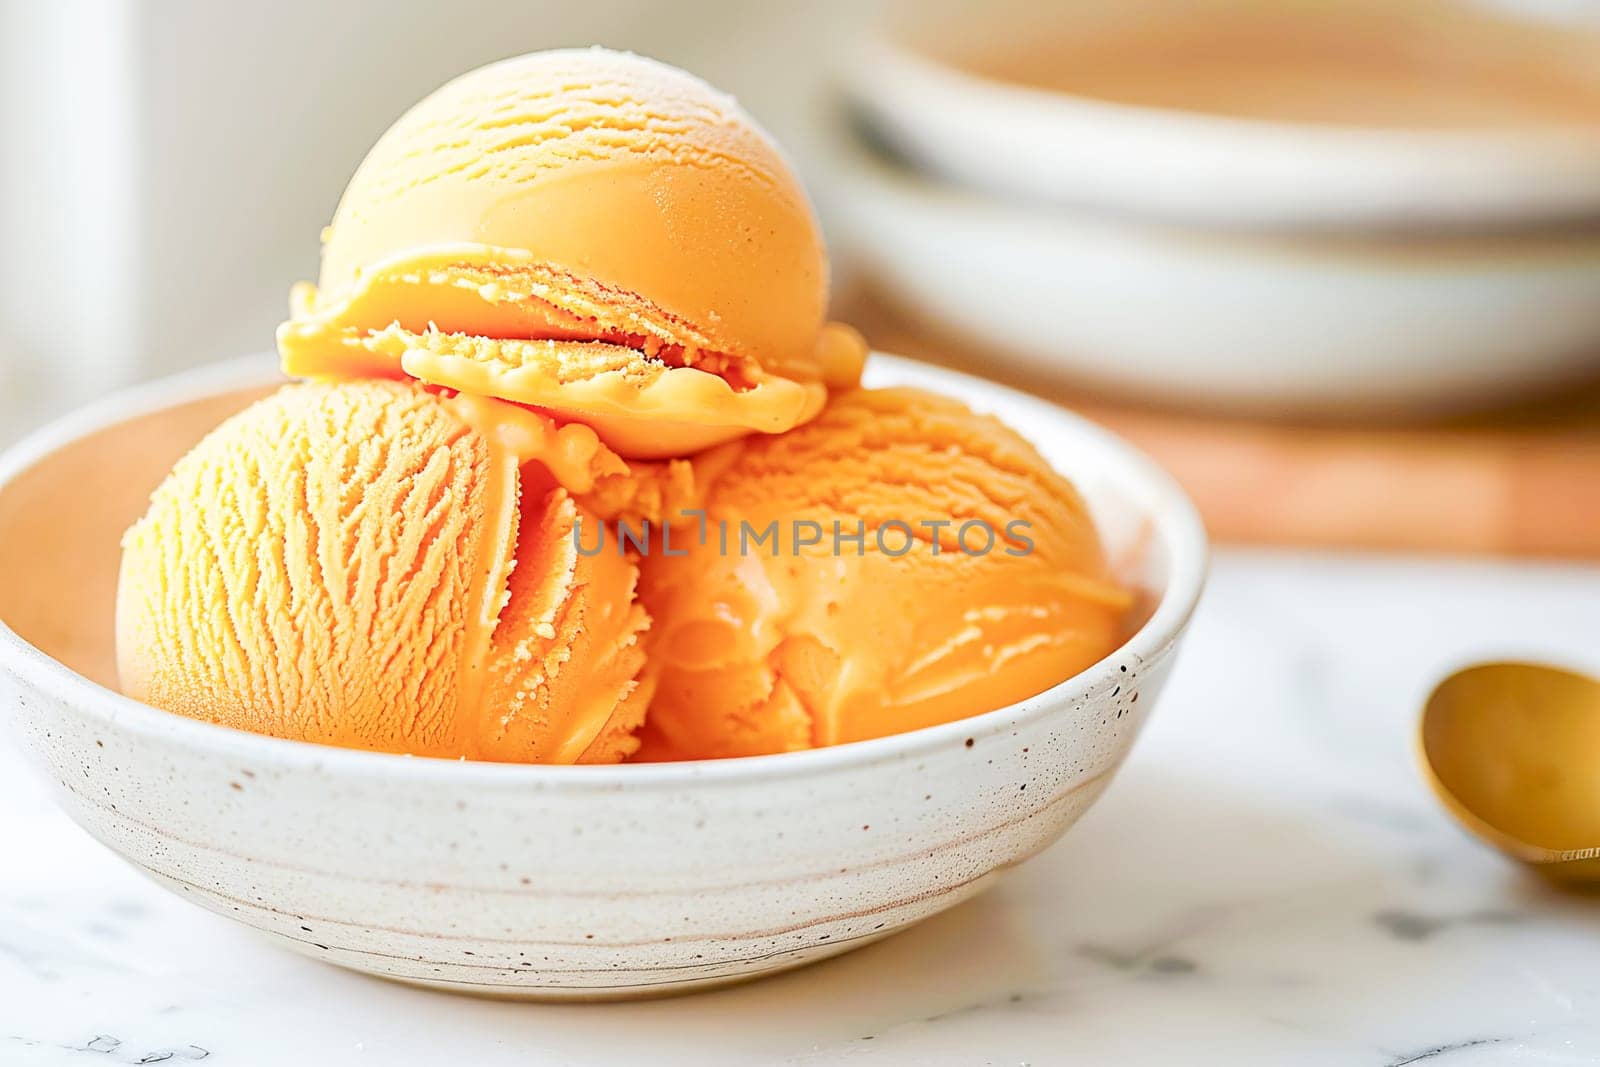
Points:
(590, 232)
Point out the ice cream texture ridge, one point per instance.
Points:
(373, 565)
(569, 293)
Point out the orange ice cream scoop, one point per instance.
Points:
(377, 565)
(589, 232)
(896, 563)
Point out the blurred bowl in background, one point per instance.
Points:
(1244, 112)
(1212, 319)
(1233, 259)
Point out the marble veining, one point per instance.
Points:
(1266, 882)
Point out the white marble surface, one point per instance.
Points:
(1267, 882)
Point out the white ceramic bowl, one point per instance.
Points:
(1277, 324)
(552, 881)
(1189, 166)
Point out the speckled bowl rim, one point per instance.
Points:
(1170, 511)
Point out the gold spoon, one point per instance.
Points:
(1513, 751)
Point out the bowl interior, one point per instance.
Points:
(65, 500)
(1424, 64)
(61, 524)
